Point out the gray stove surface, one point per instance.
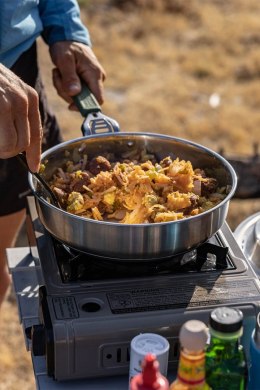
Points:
(26, 281)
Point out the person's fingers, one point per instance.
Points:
(91, 71)
(57, 82)
(8, 137)
(67, 67)
(20, 118)
(73, 107)
(14, 126)
(8, 142)
(33, 150)
(95, 84)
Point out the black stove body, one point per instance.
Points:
(91, 308)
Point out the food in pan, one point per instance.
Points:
(135, 190)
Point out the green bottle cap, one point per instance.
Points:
(226, 319)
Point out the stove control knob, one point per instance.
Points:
(38, 340)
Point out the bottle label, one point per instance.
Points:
(191, 372)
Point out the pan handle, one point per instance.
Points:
(86, 101)
(95, 122)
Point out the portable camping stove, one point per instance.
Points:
(90, 308)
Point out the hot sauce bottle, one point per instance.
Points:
(191, 368)
(150, 378)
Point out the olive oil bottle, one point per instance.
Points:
(226, 366)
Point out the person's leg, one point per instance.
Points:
(9, 228)
(13, 191)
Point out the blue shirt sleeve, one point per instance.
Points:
(61, 22)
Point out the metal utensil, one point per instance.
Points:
(40, 179)
(95, 121)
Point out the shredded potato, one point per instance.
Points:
(135, 192)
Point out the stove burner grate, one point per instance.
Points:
(79, 266)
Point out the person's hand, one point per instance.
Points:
(20, 123)
(75, 61)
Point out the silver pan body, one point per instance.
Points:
(140, 241)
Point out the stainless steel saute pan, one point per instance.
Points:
(140, 241)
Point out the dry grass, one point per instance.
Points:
(15, 364)
(164, 61)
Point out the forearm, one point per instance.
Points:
(61, 22)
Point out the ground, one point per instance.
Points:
(189, 69)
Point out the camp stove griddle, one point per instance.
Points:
(90, 308)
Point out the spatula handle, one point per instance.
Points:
(22, 158)
(86, 101)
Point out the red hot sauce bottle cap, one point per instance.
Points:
(150, 377)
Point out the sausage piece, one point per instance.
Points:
(98, 164)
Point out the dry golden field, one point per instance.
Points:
(188, 68)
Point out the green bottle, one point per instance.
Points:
(226, 367)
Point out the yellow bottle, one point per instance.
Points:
(191, 368)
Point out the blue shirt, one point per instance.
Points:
(22, 21)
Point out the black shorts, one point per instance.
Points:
(14, 187)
